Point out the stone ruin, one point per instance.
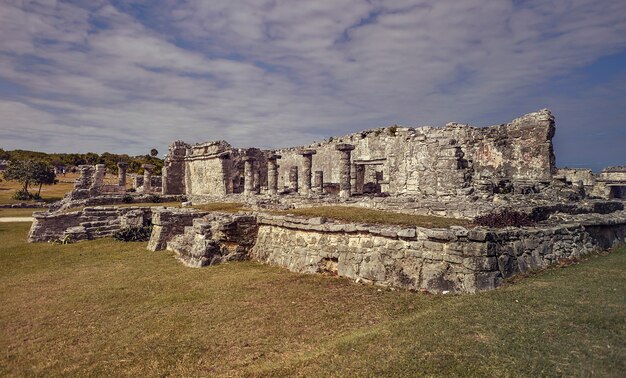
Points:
(456, 171)
(610, 183)
(91, 181)
(456, 160)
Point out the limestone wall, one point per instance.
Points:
(173, 171)
(205, 177)
(576, 175)
(169, 222)
(614, 174)
(437, 260)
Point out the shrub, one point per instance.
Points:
(134, 234)
(155, 198)
(504, 218)
(22, 195)
(393, 130)
(127, 198)
(132, 190)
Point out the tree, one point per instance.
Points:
(29, 172)
(43, 174)
(154, 152)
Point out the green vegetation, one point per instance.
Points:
(72, 160)
(113, 308)
(134, 234)
(364, 215)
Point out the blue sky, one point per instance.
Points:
(126, 76)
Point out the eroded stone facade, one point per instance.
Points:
(449, 161)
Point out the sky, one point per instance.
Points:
(128, 76)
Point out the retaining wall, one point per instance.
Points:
(437, 260)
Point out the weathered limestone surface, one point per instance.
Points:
(437, 260)
(84, 183)
(575, 176)
(345, 177)
(173, 171)
(307, 163)
(293, 179)
(169, 222)
(121, 174)
(215, 238)
(215, 168)
(89, 223)
(248, 174)
(272, 174)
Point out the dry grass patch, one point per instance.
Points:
(229, 207)
(49, 193)
(110, 308)
(18, 212)
(363, 215)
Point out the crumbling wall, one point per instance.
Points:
(173, 172)
(89, 223)
(214, 239)
(441, 161)
(156, 183)
(169, 222)
(577, 175)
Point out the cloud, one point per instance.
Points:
(127, 76)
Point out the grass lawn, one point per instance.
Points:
(364, 215)
(110, 308)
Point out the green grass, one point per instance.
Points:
(364, 215)
(19, 212)
(112, 308)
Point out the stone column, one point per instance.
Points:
(98, 176)
(147, 177)
(248, 175)
(318, 183)
(307, 164)
(345, 189)
(272, 174)
(293, 178)
(121, 174)
(256, 179)
(86, 177)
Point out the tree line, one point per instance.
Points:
(68, 161)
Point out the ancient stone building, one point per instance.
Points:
(448, 161)
(610, 183)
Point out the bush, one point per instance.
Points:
(155, 198)
(22, 195)
(505, 218)
(127, 198)
(134, 234)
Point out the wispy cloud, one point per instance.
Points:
(126, 76)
